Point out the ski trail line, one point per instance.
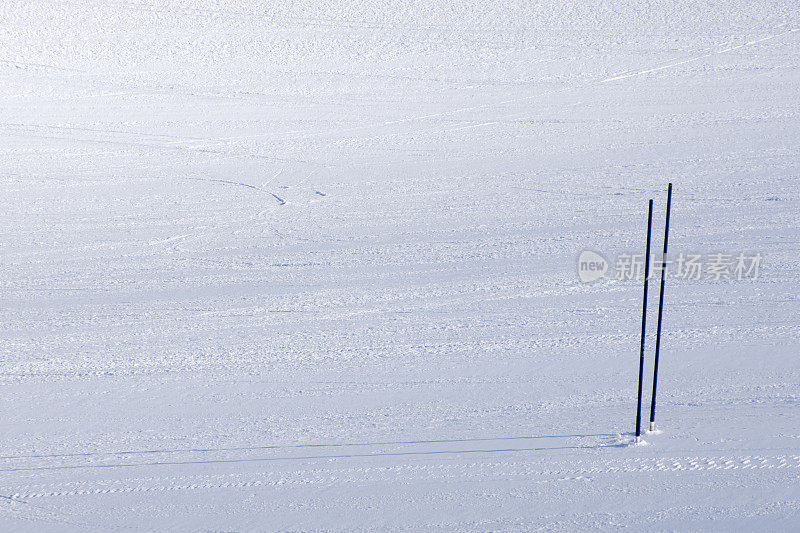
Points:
(280, 200)
(413, 472)
(696, 58)
(624, 75)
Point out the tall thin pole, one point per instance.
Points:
(660, 310)
(644, 324)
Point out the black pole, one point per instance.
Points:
(660, 309)
(644, 322)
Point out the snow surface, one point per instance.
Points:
(306, 265)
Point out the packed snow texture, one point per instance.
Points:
(304, 265)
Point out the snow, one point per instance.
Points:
(312, 265)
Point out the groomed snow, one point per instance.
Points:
(311, 265)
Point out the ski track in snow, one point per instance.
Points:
(583, 85)
(356, 475)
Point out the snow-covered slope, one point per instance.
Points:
(312, 265)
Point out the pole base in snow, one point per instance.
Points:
(652, 426)
(637, 439)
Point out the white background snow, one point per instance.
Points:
(311, 265)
